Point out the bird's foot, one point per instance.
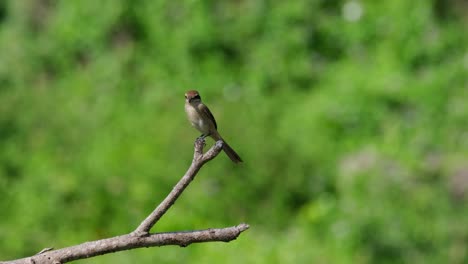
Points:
(202, 136)
(200, 140)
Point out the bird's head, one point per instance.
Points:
(192, 96)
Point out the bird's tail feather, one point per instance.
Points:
(227, 149)
(231, 153)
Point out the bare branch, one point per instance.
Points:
(198, 160)
(141, 236)
(129, 241)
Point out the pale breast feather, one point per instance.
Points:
(196, 120)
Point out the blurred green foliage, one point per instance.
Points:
(351, 117)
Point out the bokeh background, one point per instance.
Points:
(351, 116)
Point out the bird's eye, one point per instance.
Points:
(197, 96)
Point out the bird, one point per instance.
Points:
(203, 120)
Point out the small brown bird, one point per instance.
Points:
(201, 118)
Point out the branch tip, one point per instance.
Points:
(199, 142)
(199, 145)
(219, 144)
(242, 227)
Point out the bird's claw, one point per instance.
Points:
(202, 136)
(200, 140)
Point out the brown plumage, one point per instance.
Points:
(203, 120)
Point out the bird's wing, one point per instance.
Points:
(206, 112)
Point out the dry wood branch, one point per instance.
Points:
(198, 160)
(141, 236)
